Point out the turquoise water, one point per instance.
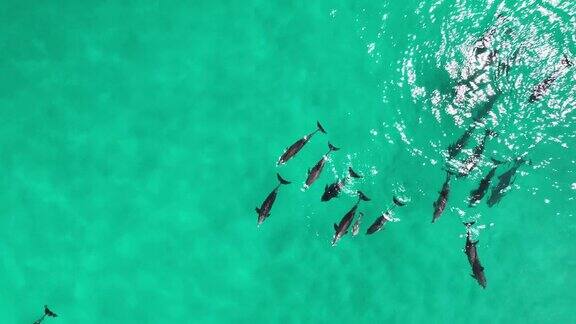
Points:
(137, 138)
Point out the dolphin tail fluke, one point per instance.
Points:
(398, 202)
(48, 312)
(566, 61)
(282, 180)
(332, 147)
(362, 196)
(320, 128)
(496, 162)
(353, 173)
(468, 224)
(490, 132)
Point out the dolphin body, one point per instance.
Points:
(385, 217)
(298, 145)
(505, 179)
(472, 254)
(47, 313)
(315, 172)
(342, 228)
(264, 210)
(477, 194)
(541, 89)
(473, 160)
(378, 223)
(440, 203)
(333, 190)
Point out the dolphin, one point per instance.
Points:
(47, 313)
(481, 45)
(506, 179)
(440, 203)
(455, 148)
(385, 217)
(356, 226)
(342, 228)
(477, 194)
(314, 173)
(333, 190)
(379, 223)
(473, 159)
(472, 254)
(264, 210)
(298, 145)
(541, 89)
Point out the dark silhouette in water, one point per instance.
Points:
(342, 228)
(264, 210)
(333, 190)
(47, 313)
(505, 67)
(542, 88)
(472, 254)
(473, 160)
(506, 180)
(477, 194)
(385, 217)
(440, 203)
(298, 145)
(458, 146)
(315, 172)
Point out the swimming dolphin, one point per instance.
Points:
(314, 173)
(440, 203)
(477, 194)
(542, 88)
(333, 190)
(385, 217)
(264, 210)
(356, 226)
(47, 312)
(482, 44)
(473, 259)
(298, 145)
(505, 180)
(455, 148)
(342, 228)
(378, 223)
(473, 159)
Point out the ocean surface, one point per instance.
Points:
(137, 137)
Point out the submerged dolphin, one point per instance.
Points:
(342, 228)
(454, 149)
(385, 217)
(356, 226)
(264, 210)
(506, 179)
(314, 173)
(440, 203)
(541, 89)
(473, 259)
(333, 190)
(47, 312)
(477, 194)
(473, 160)
(298, 145)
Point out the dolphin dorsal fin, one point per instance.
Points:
(335, 226)
(257, 210)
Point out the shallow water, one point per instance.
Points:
(136, 141)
